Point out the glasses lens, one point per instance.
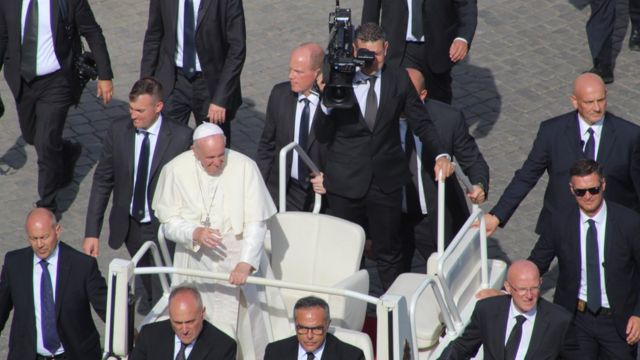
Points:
(582, 192)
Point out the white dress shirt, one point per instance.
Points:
(584, 133)
(527, 329)
(153, 131)
(601, 226)
(37, 276)
(361, 89)
(314, 100)
(47, 62)
(180, 32)
(178, 344)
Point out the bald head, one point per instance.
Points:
(42, 232)
(417, 79)
(304, 67)
(523, 283)
(589, 97)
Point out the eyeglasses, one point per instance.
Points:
(525, 291)
(316, 330)
(593, 191)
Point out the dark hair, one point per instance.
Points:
(312, 301)
(370, 32)
(584, 167)
(146, 86)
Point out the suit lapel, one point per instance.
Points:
(387, 89)
(539, 330)
(611, 233)
(173, 8)
(129, 142)
(607, 140)
(204, 6)
(312, 132)
(55, 15)
(572, 234)
(62, 279)
(573, 137)
(162, 143)
(501, 314)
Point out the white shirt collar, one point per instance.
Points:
(362, 77)
(584, 126)
(52, 259)
(599, 218)
(313, 98)
(302, 353)
(155, 128)
(513, 312)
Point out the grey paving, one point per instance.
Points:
(522, 62)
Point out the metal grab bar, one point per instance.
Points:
(282, 164)
(153, 247)
(257, 281)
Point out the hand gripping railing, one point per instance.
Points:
(282, 192)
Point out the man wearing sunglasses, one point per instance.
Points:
(597, 244)
(312, 339)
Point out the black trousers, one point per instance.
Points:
(138, 234)
(192, 96)
(299, 198)
(600, 31)
(634, 13)
(42, 107)
(438, 84)
(599, 339)
(379, 214)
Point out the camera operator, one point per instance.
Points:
(366, 167)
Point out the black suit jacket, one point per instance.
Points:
(115, 173)
(84, 23)
(357, 156)
(220, 45)
(156, 342)
(444, 20)
(552, 337)
(621, 260)
(457, 142)
(78, 284)
(279, 131)
(334, 349)
(556, 148)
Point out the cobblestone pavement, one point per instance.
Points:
(523, 59)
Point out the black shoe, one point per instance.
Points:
(71, 152)
(605, 72)
(634, 39)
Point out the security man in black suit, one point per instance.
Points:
(429, 35)
(597, 244)
(133, 153)
(589, 132)
(420, 206)
(366, 167)
(39, 68)
(291, 112)
(196, 48)
(50, 288)
(312, 339)
(519, 326)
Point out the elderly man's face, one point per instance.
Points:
(301, 75)
(186, 317)
(311, 327)
(42, 233)
(210, 152)
(590, 99)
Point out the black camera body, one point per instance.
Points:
(86, 68)
(340, 64)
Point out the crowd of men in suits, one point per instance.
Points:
(378, 160)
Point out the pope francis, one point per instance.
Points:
(213, 203)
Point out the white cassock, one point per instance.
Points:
(238, 204)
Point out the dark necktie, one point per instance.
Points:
(29, 56)
(189, 41)
(181, 352)
(590, 147)
(372, 104)
(593, 269)
(411, 191)
(310, 356)
(140, 189)
(303, 135)
(48, 311)
(511, 348)
(417, 29)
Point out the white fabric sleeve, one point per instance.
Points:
(253, 247)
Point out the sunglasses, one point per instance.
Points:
(582, 192)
